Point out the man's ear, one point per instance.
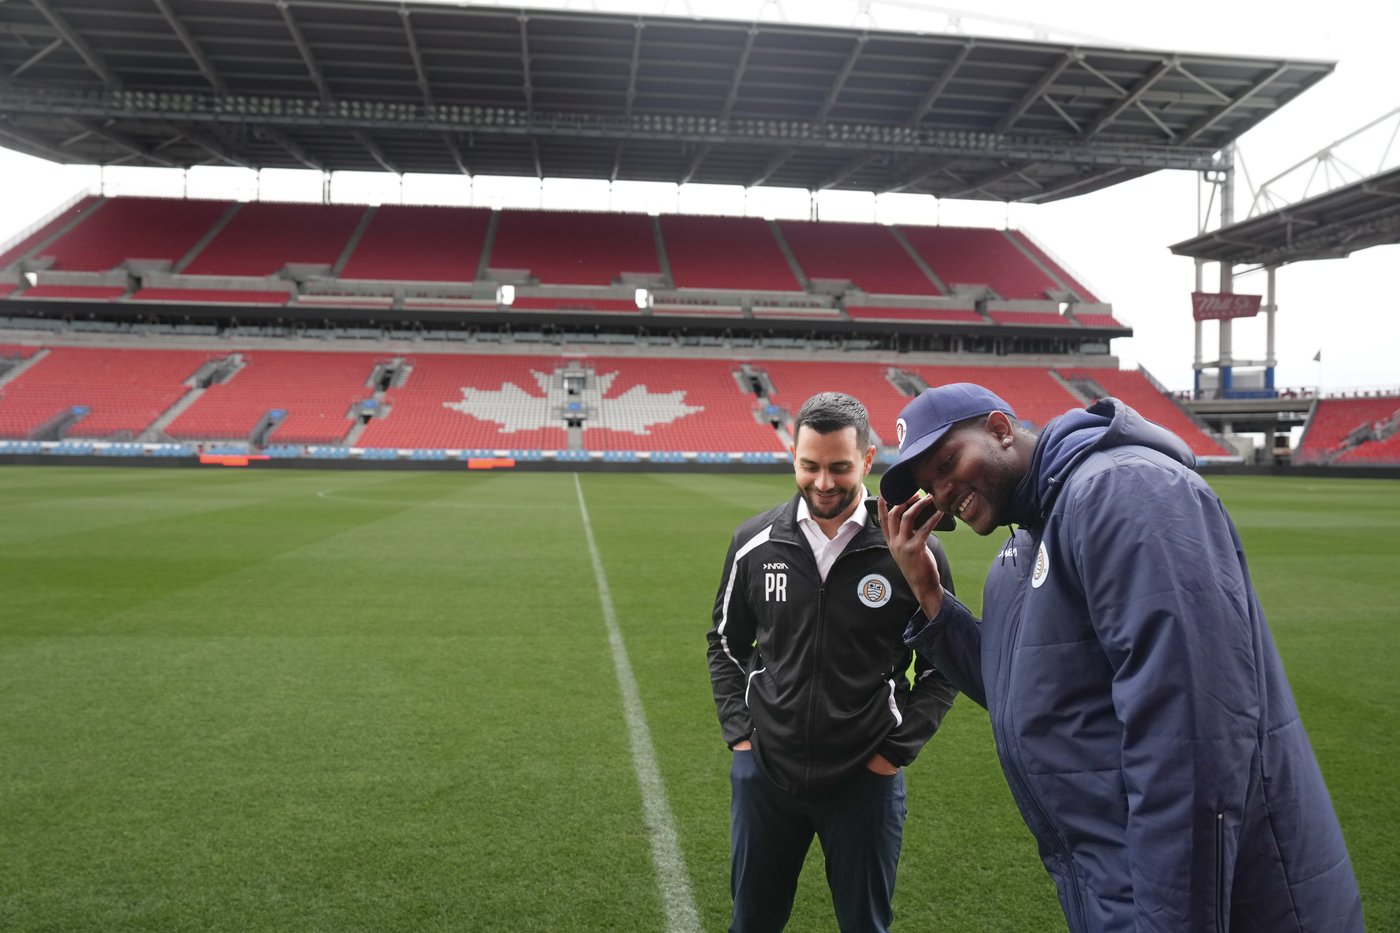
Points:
(999, 424)
(869, 459)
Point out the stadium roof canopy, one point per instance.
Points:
(415, 87)
(1329, 226)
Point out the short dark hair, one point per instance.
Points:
(831, 411)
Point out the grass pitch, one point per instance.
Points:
(296, 700)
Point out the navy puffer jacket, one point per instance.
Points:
(1140, 709)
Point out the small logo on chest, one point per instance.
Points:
(1042, 567)
(874, 590)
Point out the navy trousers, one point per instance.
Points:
(861, 826)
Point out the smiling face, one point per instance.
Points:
(973, 472)
(830, 469)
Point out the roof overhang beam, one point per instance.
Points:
(272, 134)
(771, 166)
(124, 142)
(842, 77)
(1211, 119)
(209, 144)
(78, 44)
(416, 55)
(374, 151)
(1036, 91)
(206, 67)
(1133, 99)
(36, 58)
(732, 97)
(308, 58)
(935, 91)
(24, 142)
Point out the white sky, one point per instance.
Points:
(1116, 240)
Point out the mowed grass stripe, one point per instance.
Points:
(671, 873)
(396, 726)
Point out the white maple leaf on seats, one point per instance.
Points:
(633, 412)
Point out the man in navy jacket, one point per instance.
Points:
(1141, 714)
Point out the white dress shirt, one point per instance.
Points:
(825, 549)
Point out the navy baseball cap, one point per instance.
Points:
(924, 421)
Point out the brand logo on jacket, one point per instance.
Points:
(874, 590)
(775, 565)
(1042, 567)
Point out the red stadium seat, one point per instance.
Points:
(124, 390)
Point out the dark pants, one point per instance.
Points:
(860, 827)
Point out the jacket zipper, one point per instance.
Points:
(851, 548)
(1020, 788)
(814, 687)
(1220, 872)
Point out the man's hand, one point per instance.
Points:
(879, 764)
(743, 746)
(907, 528)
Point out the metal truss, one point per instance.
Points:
(402, 117)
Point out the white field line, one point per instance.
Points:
(671, 874)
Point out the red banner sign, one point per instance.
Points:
(1211, 306)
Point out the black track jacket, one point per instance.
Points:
(814, 673)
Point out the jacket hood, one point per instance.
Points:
(1068, 439)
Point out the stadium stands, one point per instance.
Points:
(303, 256)
(1032, 391)
(879, 313)
(41, 236)
(624, 405)
(574, 247)
(1054, 268)
(1382, 451)
(1340, 429)
(795, 382)
(1135, 389)
(730, 253)
(81, 292)
(315, 390)
(1385, 451)
(262, 238)
(867, 255)
(143, 250)
(427, 244)
(211, 296)
(119, 229)
(123, 391)
(601, 305)
(471, 402)
(972, 256)
(1029, 318)
(1097, 320)
(673, 405)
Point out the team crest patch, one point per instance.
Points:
(900, 429)
(874, 591)
(1042, 567)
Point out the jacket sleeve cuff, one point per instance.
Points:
(732, 739)
(920, 626)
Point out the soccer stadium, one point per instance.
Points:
(358, 555)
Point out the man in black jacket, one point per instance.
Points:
(810, 676)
